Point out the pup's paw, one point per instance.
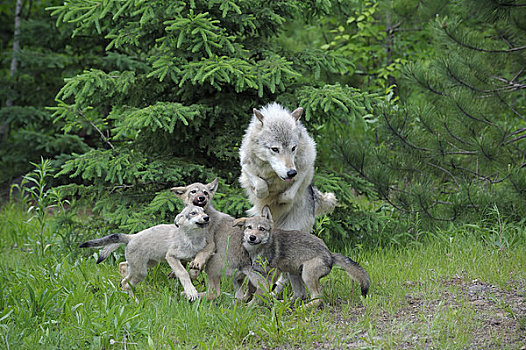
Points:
(194, 273)
(261, 190)
(191, 294)
(123, 268)
(286, 197)
(197, 263)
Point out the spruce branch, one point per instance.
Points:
(504, 102)
(471, 116)
(511, 85)
(447, 172)
(426, 211)
(104, 138)
(516, 139)
(426, 85)
(456, 40)
(455, 136)
(403, 139)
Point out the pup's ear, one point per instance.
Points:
(178, 219)
(266, 213)
(297, 113)
(212, 186)
(239, 222)
(259, 115)
(179, 191)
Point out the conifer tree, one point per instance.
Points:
(36, 57)
(456, 145)
(173, 104)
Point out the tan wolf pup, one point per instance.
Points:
(171, 243)
(303, 256)
(224, 252)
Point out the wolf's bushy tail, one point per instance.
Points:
(354, 270)
(110, 244)
(324, 202)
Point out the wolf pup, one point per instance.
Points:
(224, 252)
(303, 256)
(277, 165)
(171, 243)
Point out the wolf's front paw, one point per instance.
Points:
(191, 294)
(261, 190)
(286, 197)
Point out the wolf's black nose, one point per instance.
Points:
(291, 173)
(206, 218)
(201, 198)
(252, 238)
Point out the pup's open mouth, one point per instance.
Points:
(198, 203)
(252, 242)
(201, 224)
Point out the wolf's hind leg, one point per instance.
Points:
(123, 268)
(135, 274)
(297, 286)
(313, 270)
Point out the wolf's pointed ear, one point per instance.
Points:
(297, 113)
(212, 186)
(178, 219)
(259, 115)
(266, 213)
(179, 191)
(239, 222)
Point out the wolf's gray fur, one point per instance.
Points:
(224, 252)
(277, 165)
(303, 256)
(171, 243)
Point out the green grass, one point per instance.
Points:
(462, 287)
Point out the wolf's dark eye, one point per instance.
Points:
(193, 213)
(275, 149)
(193, 191)
(206, 193)
(293, 148)
(261, 228)
(249, 227)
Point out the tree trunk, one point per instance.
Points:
(14, 61)
(16, 43)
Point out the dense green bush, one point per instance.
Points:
(172, 110)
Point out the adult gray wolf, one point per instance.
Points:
(224, 252)
(171, 243)
(277, 165)
(303, 256)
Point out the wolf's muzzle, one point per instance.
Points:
(291, 173)
(199, 201)
(253, 240)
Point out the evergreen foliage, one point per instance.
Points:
(455, 146)
(47, 55)
(172, 105)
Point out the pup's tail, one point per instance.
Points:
(354, 270)
(324, 202)
(110, 244)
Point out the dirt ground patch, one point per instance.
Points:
(482, 315)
